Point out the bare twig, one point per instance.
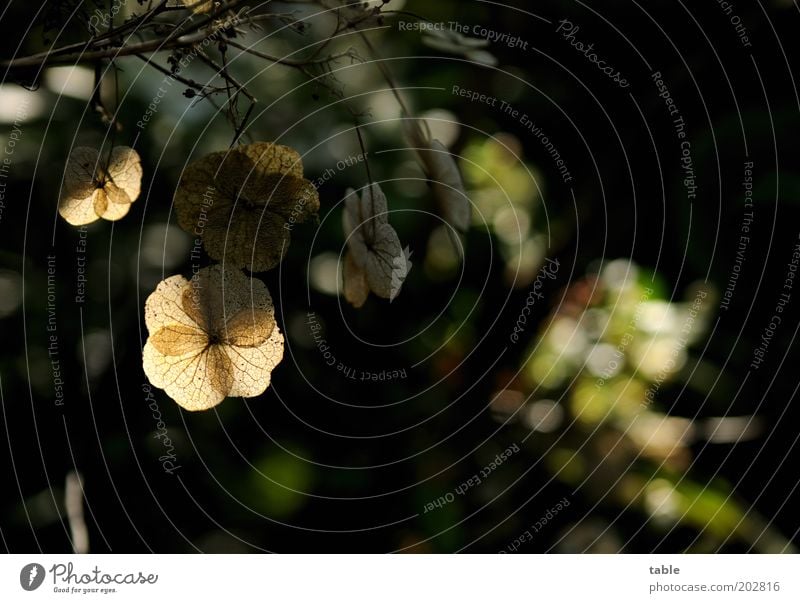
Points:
(290, 62)
(204, 90)
(233, 99)
(179, 38)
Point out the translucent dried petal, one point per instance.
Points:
(177, 340)
(366, 212)
(164, 307)
(78, 211)
(400, 269)
(257, 240)
(249, 328)
(196, 381)
(241, 202)
(375, 253)
(211, 337)
(125, 171)
(100, 202)
(381, 260)
(371, 206)
(277, 158)
(197, 194)
(116, 211)
(91, 189)
(201, 300)
(215, 296)
(253, 366)
(79, 174)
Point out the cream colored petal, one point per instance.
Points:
(252, 366)
(202, 298)
(164, 306)
(116, 195)
(116, 211)
(125, 171)
(215, 296)
(78, 211)
(196, 381)
(79, 175)
(100, 201)
(177, 356)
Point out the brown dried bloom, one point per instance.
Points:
(244, 202)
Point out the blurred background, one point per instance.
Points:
(580, 381)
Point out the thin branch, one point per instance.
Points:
(240, 129)
(175, 39)
(223, 72)
(290, 62)
(233, 99)
(203, 89)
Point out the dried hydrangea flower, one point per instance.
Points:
(94, 188)
(244, 202)
(375, 260)
(211, 337)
